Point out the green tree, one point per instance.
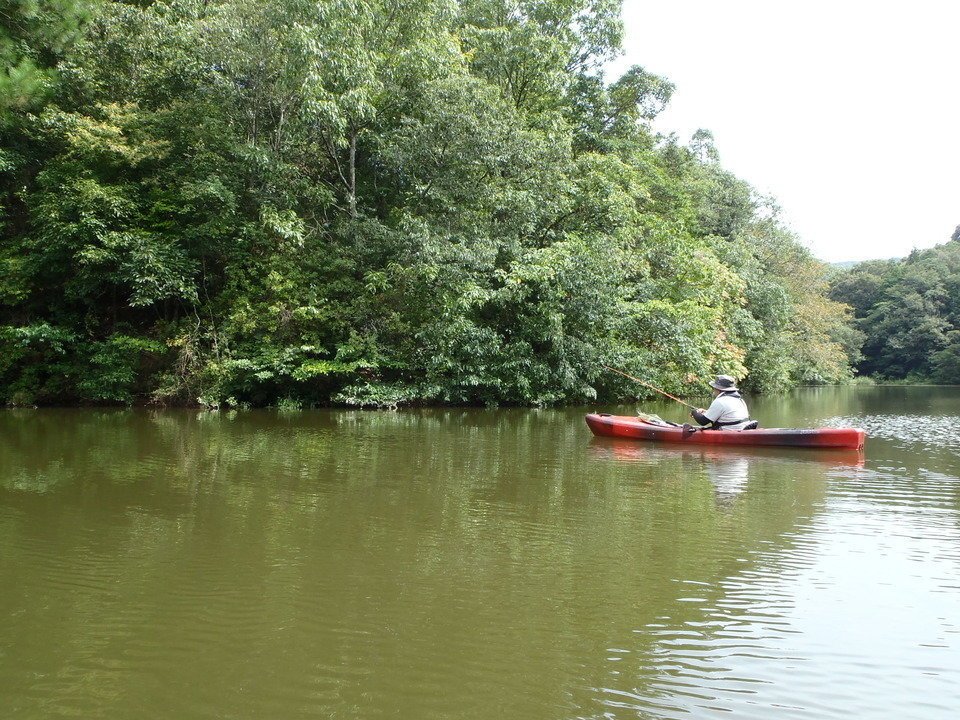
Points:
(909, 310)
(34, 34)
(376, 202)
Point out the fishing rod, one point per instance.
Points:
(646, 384)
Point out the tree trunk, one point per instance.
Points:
(353, 175)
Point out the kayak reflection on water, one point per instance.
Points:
(728, 469)
(631, 451)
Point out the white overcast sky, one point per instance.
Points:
(848, 112)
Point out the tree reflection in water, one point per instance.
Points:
(728, 469)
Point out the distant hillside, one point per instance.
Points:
(850, 264)
(909, 312)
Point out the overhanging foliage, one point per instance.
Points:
(378, 202)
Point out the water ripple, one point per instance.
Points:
(470, 565)
(940, 431)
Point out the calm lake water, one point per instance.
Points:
(478, 564)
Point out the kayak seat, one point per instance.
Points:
(752, 425)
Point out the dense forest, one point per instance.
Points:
(909, 311)
(374, 203)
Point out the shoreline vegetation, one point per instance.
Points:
(295, 405)
(379, 203)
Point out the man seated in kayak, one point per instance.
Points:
(728, 411)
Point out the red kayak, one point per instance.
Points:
(625, 426)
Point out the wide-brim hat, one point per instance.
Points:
(723, 382)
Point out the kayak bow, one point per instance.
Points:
(624, 426)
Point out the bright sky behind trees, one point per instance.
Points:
(847, 112)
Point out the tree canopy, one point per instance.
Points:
(374, 202)
(909, 311)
